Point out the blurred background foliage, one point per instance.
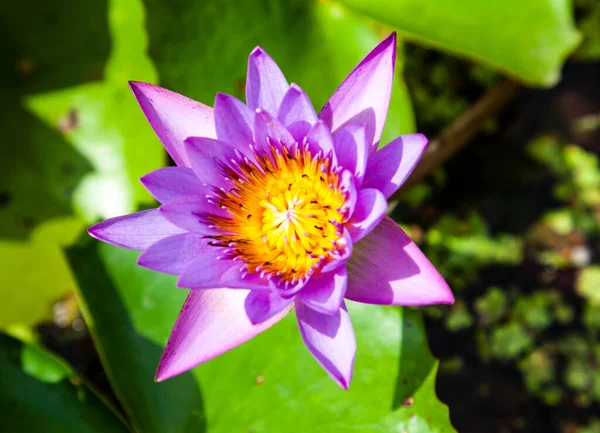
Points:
(512, 221)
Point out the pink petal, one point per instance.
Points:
(269, 130)
(191, 213)
(319, 139)
(233, 121)
(207, 272)
(211, 322)
(174, 117)
(364, 96)
(391, 165)
(330, 338)
(136, 231)
(265, 83)
(261, 305)
(387, 267)
(297, 113)
(325, 292)
(170, 183)
(352, 149)
(370, 209)
(170, 255)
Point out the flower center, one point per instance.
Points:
(287, 213)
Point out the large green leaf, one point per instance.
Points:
(35, 274)
(40, 394)
(261, 385)
(527, 39)
(38, 173)
(115, 306)
(44, 47)
(200, 48)
(108, 127)
(78, 150)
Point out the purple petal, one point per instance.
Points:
(211, 322)
(206, 157)
(265, 83)
(352, 149)
(191, 213)
(174, 117)
(233, 121)
(206, 272)
(261, 305)
(391, 165)
(170, 183)
(330, 338)
(268, 130)
(364, 96)
(387, 267)
(170, 255)
(319, 139)
(297, 113)
(136, 231)
(325, 292)
(370, 209)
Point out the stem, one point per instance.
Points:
(462, 130)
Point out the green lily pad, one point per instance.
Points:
(526, 39)
(201, 48)
(260, 385)
(105, 124)
(26, 290)
(73, 155)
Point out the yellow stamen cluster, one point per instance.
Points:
(286, 212)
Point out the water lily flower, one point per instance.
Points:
(272, 206)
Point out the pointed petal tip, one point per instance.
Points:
(142, 261)
(389, 41)
(343, 380)
(135, 84)
(163, 373)
(138, 87)
(257, 51)
(210, 323)
(441, 293)
(389, 167)
(173, 116)
(365, 93)
(180, 284)
(220, 97)
(421, 137)
(295, 88)
(448, 297)
(189, 141)
(344, 383)
(93, 230)
(331, 341)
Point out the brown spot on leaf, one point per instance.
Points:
(68, 122)
(25, 66)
